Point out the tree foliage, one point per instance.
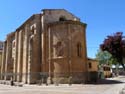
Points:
(103, 57)
(114, 44)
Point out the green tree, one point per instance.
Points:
(104, 57)
(114, 44)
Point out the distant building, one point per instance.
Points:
(93, 69)
(50, 46)
(107, 70)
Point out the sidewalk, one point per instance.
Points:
(100, 88)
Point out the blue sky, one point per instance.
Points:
(103, 17)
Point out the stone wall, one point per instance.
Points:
(54, 15)
(63, 39)
(49, 45)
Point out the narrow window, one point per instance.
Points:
(14, 44)
(32, 30)
(79, 50)
(90, 65)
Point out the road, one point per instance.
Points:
(110, 86)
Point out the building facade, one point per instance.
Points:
(1, 49)
(50, 46)
(93, 65)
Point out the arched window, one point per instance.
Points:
(14, 43)
(79, 50)
(32, 29)
(62, 18)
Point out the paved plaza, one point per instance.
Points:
(100, 88)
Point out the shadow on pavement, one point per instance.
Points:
(107, 81)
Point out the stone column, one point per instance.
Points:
(25, 55)
(3, 61)
(30, 59)
(43, 52)
(20, 56)
(70, 51)
(49, 80)
(8, 58)
(85, 54)
(42, 44)
(16, 57)
(43, 64)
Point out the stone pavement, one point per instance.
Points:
(100, 88)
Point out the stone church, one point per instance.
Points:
(49, 46)
(1, 49)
